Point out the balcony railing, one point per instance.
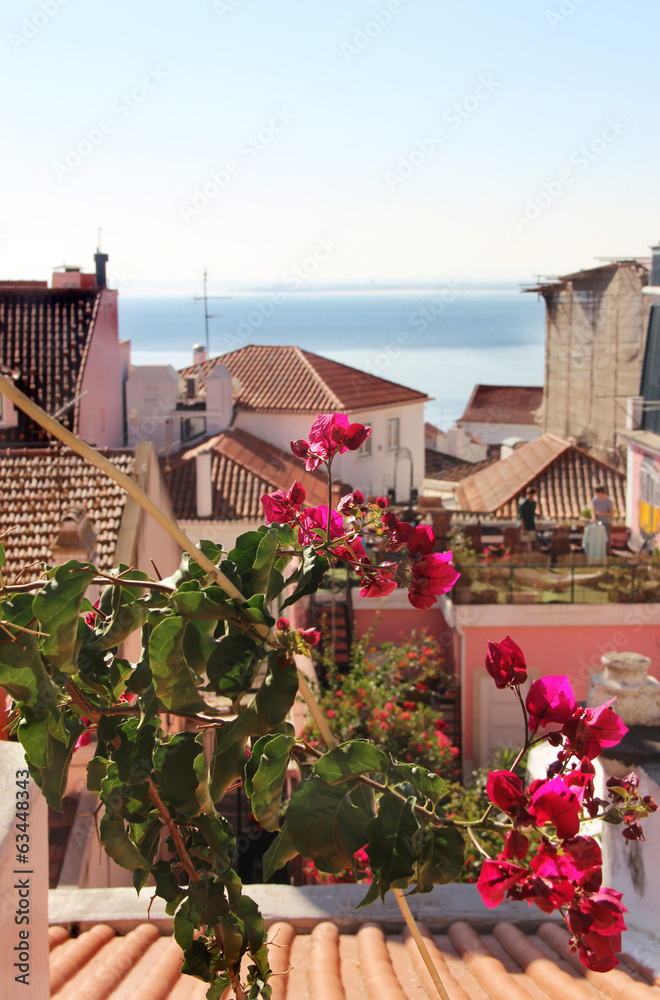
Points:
(613, 582)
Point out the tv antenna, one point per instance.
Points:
(207, 315)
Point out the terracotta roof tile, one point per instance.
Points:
(369, 965)
(45, 334)
(563, 475)
(287, 379)
(452, 469)
(503, 404)
(243, 468)
(38, 485)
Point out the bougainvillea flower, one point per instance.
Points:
(378, 584)
(313, 523)
(516, 845)
(397, 532)
(505, 663)
(596, 921)
(283, 625)
(311, 636)
(350, 503)
(586, 856)
(505, 790)
(279, 507)
(548, 894)
(554, 802)
(421, 540)
(496, 878)
(550, 699)
(591, 730)
(331, 433)
(431, 576)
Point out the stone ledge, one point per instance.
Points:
(304, 907)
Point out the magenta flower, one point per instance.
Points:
(280, 507)
(421, 541)
(496, 878)
(331, 433)
(591, 730)
(313, 524)
(311, 636)
(505, 790)
(397, 532)
(550, 699)
(555, 802)
(350, 503)
(516, 845)
(378, 584)
(431, 576)
(505, 663)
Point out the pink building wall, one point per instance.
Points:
(568, 639)
(101, 420)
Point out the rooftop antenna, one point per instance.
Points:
(207, 316)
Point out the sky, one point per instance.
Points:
(392, 142)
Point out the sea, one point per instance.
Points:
(441, 341)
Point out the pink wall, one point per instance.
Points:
(395, 625)
(102, 408)
(554, 640)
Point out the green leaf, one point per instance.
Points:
(265, 775)
(263, 563)
(313, 568)
(128, 614)
(208, 901)
(22, 672)
(167, 886)
(390, 845)
(97, 768)
(328, 823)
(208, 605)
(232, 665)
(51, 776)
(191, 570)
(174, 681)
(440, 854)
(117, 844)
(269, 706)
(350, 759)
(219, 836)
(431, 786)
(226, 766)
(57, 606)
(280, 851)
(243, 555)
(181, 773)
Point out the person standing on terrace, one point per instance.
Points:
(603, 510)
(527, 516)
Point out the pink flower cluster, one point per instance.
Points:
(431, 573)
(331, 434)
(545, 860)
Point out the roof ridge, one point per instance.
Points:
(316, 375)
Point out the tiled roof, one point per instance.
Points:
(38, 486)
(563, 475)
(286, 379)
(45, 334)
(438, 465)
(368, 965)
(243, 468)
(503, 404)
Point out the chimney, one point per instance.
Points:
(199, 354)
(204, 484)
(100, 260)
(654, 280)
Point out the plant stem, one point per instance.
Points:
(329, 500)
(419, 941)
(25, 588)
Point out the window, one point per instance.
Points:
(192, 427)
(393, 434)
(365, 448)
